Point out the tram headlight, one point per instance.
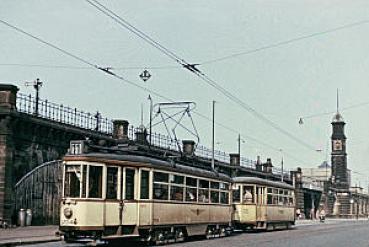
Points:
(68, 212)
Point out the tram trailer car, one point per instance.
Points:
(262, 204)
(108, 196)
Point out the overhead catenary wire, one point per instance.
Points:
(105, 70)
(193, 68)
(332, 112)
(285, 42)
(134, 30)
(49, 66)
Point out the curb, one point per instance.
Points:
(17, 242)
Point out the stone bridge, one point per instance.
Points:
(29, 138)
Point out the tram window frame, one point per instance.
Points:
(160, 188)
(223, 186)
(160, 191)
(191, 180)
(214, 196)
(236, 198)
(111, 182)
(177, 187)
(176, 193)
(225, 197)
(145, 190)
(68, 175)
(272, 196)
(204, 184)
(161, 177)
(84, 181)
(214, 185)
(203, 196)
(191, 189)
(203, 191)
(252, 192)
(129, 188)
(269, 199)
(176, 179)
(97, 188)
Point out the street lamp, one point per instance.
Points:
(352, 201)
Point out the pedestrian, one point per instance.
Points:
(312, 214)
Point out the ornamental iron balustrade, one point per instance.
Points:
(95, 122)
(63, 114)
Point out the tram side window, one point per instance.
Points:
(214, 193)
(224, 197)
(176, 193)
(269, 199)
(72, 180)
(236, 194)
(130, 184)
(84, 176)
(161, 186)
(191, 189)
(144, 185)
(112, 183)
(204, 191)
(272, 199)
(214, 196)
(248, 194)
(176, 187)
(95, 182)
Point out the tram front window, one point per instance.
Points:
(95, 182)
(72, 181)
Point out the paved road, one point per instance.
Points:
(336, 234)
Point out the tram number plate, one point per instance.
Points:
(281, 211)
(68, 222)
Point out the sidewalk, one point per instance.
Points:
(28, 235)
(327, 221)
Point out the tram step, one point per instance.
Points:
(119, 236)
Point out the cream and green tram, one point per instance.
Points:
(108, 196)
(262, 204)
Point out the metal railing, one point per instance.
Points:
(165, 142)
(85, 120)
(64, 114)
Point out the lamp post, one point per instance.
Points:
(151, 106)
(281, 150)
(352, 201)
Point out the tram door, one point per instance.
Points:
(112, 203)
(259, 203)
(128, 204)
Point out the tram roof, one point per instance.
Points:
(150, 162)
(261, 181)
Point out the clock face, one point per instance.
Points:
(337, 145)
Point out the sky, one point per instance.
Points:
(294, 57)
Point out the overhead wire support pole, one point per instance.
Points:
(239, 145)
(37, 84)
(150, 137)
(213, 139)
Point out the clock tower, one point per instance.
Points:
(339, 156)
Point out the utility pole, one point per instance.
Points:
(149, 98)
(213, 139)
(37, 84)
(239, 145)
(281, 164)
